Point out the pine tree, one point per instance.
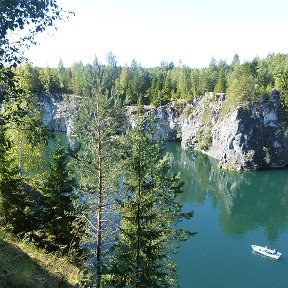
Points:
(26, 132)
(241, 84)
(220, 84)
(96, 125)
(15, 205)
(63, 76)
(149, 212)
(167, 89)
(58, 212)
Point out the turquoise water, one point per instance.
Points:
(231, 212)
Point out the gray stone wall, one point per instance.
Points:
(245, 138)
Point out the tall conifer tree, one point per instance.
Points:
(15, 205)
(149, 212)
(96, 124)
(58, 210)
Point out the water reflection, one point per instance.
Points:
(246, 201)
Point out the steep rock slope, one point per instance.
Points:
(248, 137)
(245, 138)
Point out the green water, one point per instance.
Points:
(231, 212)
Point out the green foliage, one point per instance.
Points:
(207, 114)
(111, 73)
(235, 60)
(63, 76)
(98, 119)
(184, 85)
(137, 83)
(49, 79)
(220, 86)
(24, 128)
(24, 19)
(24, 265)
(204, 139)
(148, 213)
(58, 212)
(27, 78)
(241, 84)
(15, 205)
(187, 111)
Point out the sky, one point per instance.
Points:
(191, 32)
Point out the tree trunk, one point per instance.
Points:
(137, 282)
(20, 163)
(99, 215)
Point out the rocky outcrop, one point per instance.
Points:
(55, 114)
(250, 137)
(244, 138)
(168, 119)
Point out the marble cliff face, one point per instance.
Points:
(55, 114)
(244, 138)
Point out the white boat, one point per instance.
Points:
(265, 251)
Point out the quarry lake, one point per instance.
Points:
(231, 212)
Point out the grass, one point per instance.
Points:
(23, 265)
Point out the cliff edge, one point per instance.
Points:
(247, 137)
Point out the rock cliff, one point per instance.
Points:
(168, 119)
(248, 137)
(244, 138)
(55, 112)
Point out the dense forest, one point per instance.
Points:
(101, 204)
(109, 205)
(248, 81)
(98, 203)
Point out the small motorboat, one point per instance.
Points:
(265, 251)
